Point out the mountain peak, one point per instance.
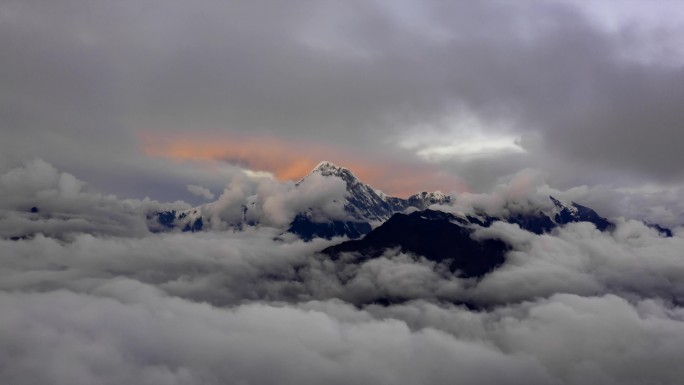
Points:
(325, 164)
(425, 199)
(573, 212)
(362, 201)
(325, 168)
(430, 194)
(560, 204)
(328, 168)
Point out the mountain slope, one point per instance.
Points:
(446, 238)
(307, 229)
(573, 212)
(435, 235)
(363, 203)
(368, 204)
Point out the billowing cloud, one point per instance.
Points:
(157, 339)
(37, 198)
(528, 190)
(109, 302)
(201, 191)
(110, 314)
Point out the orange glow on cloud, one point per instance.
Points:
(289, 160)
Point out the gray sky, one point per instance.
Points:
(511, 101)
(143, 98)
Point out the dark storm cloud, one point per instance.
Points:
(81, 79)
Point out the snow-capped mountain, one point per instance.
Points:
(562, 213)
(366, 208)
(424, 200)
(362, 201)
(365, 203)
(573, 212)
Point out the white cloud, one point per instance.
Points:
(470, 147)
(66, 207)
(112, 303)
(200, 191)
(269, 202)
(462, 135)
(127, 332)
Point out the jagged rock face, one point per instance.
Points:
(308, 229)
(366, 203)
(167, 218)
(573, 212)
(539, 223)
(171, 219)
(424, 200)
(663, 231)
(196, 225)
(362, 201)
(435, 235)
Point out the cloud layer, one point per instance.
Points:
(103, 311)
(108, 302)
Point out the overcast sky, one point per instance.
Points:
(501, 102)
(143, 98)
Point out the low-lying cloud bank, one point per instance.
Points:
(127, 332)
(96, 298)
(38, 198)
(229, 268)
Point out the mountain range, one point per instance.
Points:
(376, 222)
(364, 206)
(367, 208)
(332, 203)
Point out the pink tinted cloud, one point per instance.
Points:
(292, 160)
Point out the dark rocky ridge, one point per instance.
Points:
(308, 229)
(435, 235)
(578, 213)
